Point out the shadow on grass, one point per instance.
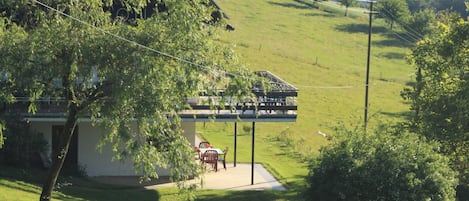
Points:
(295, 187)
(291, 5)
(267, 195)
(71, 188)
(393, 40)
(359, 28)
(111, 194)
(411, 83)
(393, 55)
(323, 14)
(405, 115)
(307, 3)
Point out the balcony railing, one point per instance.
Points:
(279, 100)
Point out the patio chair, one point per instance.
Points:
(204, 144)
(211, 157)
(222, 158)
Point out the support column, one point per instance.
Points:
(235, 141)
(252, 156)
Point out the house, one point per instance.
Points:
(276, 105)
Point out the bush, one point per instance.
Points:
(22, 147)
(388, 164)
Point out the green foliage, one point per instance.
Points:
(422, 22)
(441, 93)
(247, 129)
(131, 78)
(438, 5)
(386, 164)
(22, 146)
(393, 10)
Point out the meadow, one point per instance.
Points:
(324, 54)
(318, 50)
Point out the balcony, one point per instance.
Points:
(278, 104)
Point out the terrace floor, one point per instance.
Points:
(233, 178)
(236, 178)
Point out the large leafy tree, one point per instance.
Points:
(131, 76)
(6, 83)
(441, 92)
(385, 164)
(421, 23)
(393, 10)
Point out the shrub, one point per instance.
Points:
(22, 147)
(387, 164)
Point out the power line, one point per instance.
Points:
(411, 32)
(402, 38)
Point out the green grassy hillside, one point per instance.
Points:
(324, 54)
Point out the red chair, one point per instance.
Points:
(204, 144)
(211, 157)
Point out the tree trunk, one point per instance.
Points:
(58, 160)
(418, 91)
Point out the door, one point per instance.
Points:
(71, 160)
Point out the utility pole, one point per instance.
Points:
(371, 12)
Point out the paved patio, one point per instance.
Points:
(236, 178)
(233, 178)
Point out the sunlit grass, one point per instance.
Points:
(323, 54)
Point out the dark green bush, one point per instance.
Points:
(22, 146)
(388, 164)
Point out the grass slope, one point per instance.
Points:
(316, 49)
(324, 54)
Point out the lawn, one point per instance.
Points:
(316, 49)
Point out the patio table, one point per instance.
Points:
(203, 150)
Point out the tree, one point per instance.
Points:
(347, 4)
(441, 93)
(421, 23)
(417, 5)
(438, 5)
(130, 76)
(386, 164)
(393, 10)
(453, 6)
(6, 84)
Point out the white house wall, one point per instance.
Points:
(100, 163)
